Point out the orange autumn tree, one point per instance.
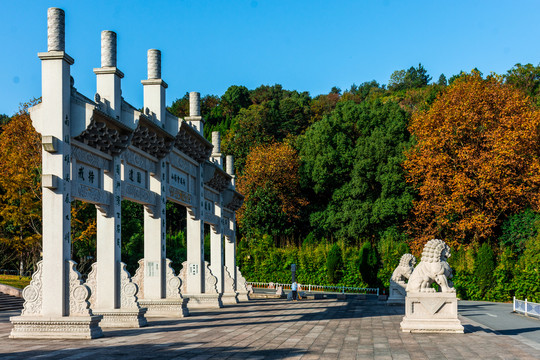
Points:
(476, 161)
(270, 184)
(20, 187)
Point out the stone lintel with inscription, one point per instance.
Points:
(138, 194)
(84, 154)
(89, 194)
(179, 196)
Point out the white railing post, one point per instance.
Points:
(525, 306)
(514, 304)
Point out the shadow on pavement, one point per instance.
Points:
(162, 351)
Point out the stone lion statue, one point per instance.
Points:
(432, 268)
(403, 271)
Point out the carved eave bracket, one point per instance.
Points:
(215, 177)
(105, 134)
(151, 139)
(193, 144)
(232, 199)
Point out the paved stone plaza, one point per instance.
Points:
(260, 329)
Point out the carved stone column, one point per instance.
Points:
(109, 278)
(56, 303)
(216, 254)
(114, 295)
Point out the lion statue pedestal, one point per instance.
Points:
(401, 274)
(425, 309)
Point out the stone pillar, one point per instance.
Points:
(109, 222)
(161, 287)
(106, 280)
(230, 168)
(216, 249)
(154, 239)
(56, 202)
(56, 303)
(195, 241)
(195, 118)
(230, 256)
(109, 235)
(216, 151)
(230, 241)
(154, 88)
(108, 76)
(154, 216)
(201, 284)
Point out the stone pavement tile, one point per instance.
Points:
(276, 329)
(310, 357)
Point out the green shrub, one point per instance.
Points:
(334, 264)
(368, 264)
(391, 247)
(177, 249)
(527, 275)
(461, 261)
(484, 266)
(503, 277)
(518, 229)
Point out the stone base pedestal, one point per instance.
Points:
(431, 313)
(122, 318)
(62, 327)
(165, 307)
(229, 298)
(395, 301)
(243, 297)
(203, 301)
(397, 294)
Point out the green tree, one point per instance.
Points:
(528, 272)
(409, 79)
(334, 264)
(234, 99)
(180, 107)
(132, 234)
(484, 266)
(518, 228)
(351, 167)
(525, 77)
(442, 80)
(368, 263)
(273, 202)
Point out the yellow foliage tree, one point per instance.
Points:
(20, 186)
(476, 161)
(270, 184)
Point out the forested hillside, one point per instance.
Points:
(342, 184)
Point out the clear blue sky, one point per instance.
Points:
(306, 45)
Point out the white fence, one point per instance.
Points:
(317, 288)
(526, 307)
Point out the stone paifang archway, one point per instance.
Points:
(102, 151)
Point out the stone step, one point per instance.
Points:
(8, 302)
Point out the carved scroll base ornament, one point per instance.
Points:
(210, 299)
(241, 286)
(230, 296)
(174, 305)
(79, 324)
(130, 314)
